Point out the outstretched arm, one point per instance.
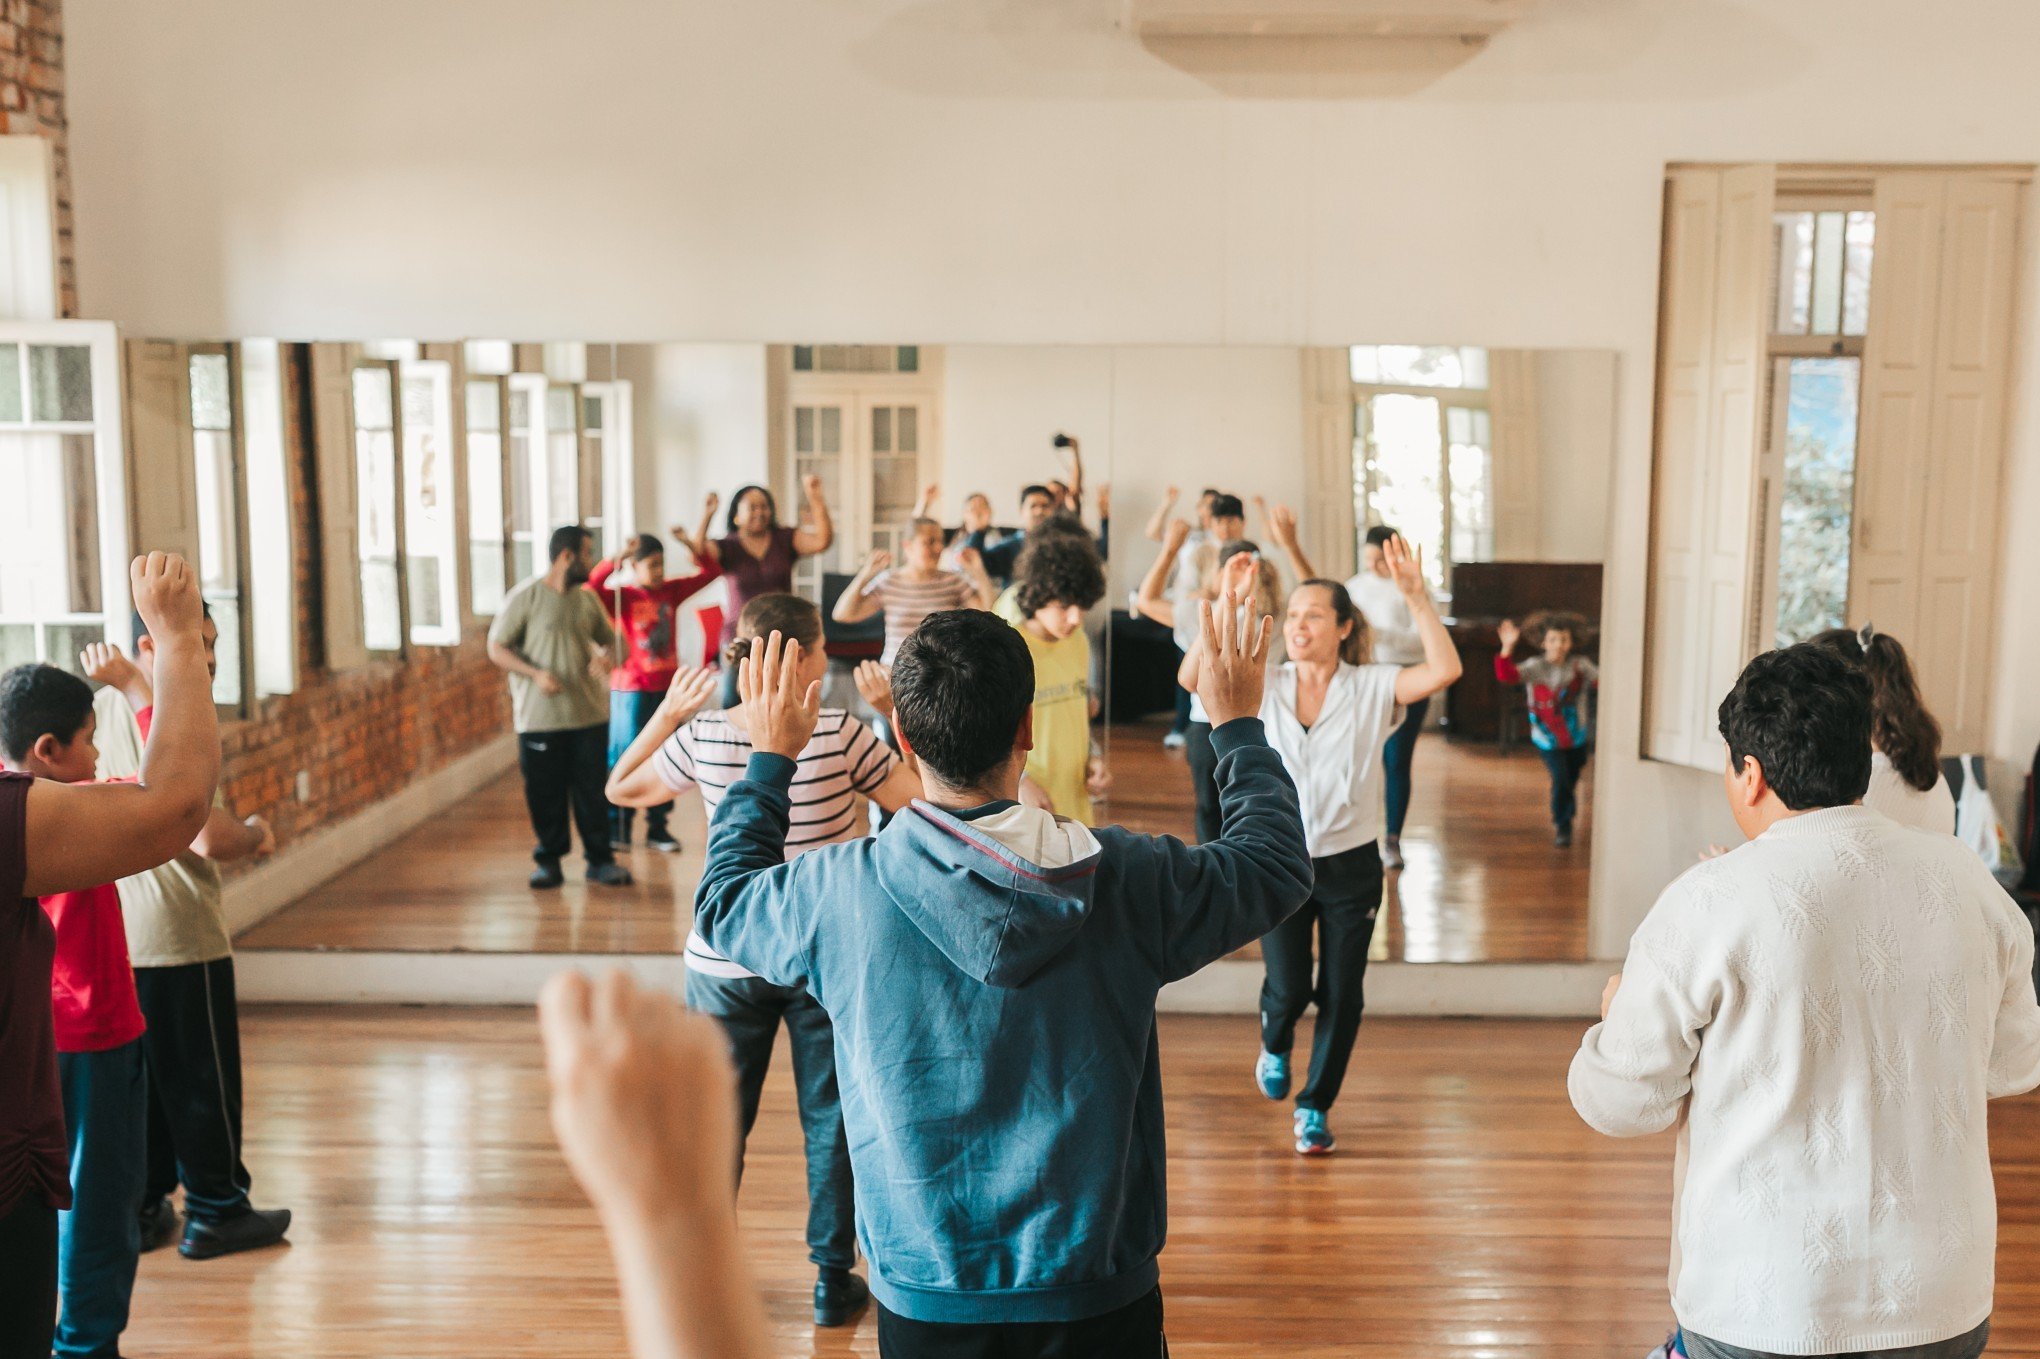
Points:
(162, 813)
(635, 781)
(1152, 599)
(820, 531)
(1159, 520)
(1282, 528)
(858, 600)
(1441, 665)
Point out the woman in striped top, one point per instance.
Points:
(843, 763)
(912, 592)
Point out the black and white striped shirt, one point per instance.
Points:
(907, 600)
(841, 760)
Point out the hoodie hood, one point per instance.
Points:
(1001, 895)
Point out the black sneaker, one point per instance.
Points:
(663, 841)
(547, 875)
(611, 874)
(254, 1229)
(1564, 837)
(159, 1225)
(840, 1297)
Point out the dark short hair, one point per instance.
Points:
(962, 683)
(648, 545)
(1211, 491)
(1227, 507)
(1036, 489)
(1379, 535)
(1058, 567)
(771, 505)
(566, 538)
(142, 624)
(1803, 712)
(40, 700)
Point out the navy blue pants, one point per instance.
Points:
(1396, 754)
(99, 1239)
(1565, 767)
(629, 710)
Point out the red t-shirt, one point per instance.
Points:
(35, 1156)
(649, 620)
(92, 988)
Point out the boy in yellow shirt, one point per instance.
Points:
(1058, 577)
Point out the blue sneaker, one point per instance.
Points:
(1313, 1138)
(1271, 1073)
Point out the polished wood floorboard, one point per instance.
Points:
(1468, 1213)
(1483, 882)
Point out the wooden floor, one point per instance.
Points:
(1467, 1215)
(1483, 882)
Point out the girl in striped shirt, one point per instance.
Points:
(912, 592)
(842, 764)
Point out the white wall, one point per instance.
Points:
(1576, 452)
(699, 421)
(922, 171)
(1146, 416)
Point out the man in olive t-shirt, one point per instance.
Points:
(552, 638)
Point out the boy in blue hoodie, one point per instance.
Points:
(991, 971)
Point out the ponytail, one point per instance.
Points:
(1900, 725)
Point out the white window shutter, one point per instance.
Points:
(160, 467)
(1518, 455)
(339, 523)
(1328, 516)
(1710, 394)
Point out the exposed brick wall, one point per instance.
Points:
(361, 735)
(32, 100)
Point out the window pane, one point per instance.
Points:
(375, 470)
(803, 358)
(1473, 363)
(484, 407)
(591, 414)
(49, 526)
(265, 472)
(881, 429)
(485, 498)
(1473, 509)
(211, 407)
(1827, 273)
(1412, 365)
(66, 640)
(909, 358)
(1817, 503)
(10, 383)
(60, 382)
(81, 522)
(1859, 241)
(17, 644)
(219, 565)
(563, 480)
(559, 408)
(803, 429)
(429, 560)
(909, 429)
(831, 440)
(1403, 469)
(1366, 364)
(1792, 279)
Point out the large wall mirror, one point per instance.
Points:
(449, 463)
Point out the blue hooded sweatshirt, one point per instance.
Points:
(995, 1019)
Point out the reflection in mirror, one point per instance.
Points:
(881, 481)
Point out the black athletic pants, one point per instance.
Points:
(1341, 912)
(28, 1278)
(1203, 779)
(1132, 1332)
(563, 768)
(192, 1052)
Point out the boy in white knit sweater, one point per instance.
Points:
(1823, 1013)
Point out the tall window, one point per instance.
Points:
(487, 556)
(594, 466)
(1422, 457)
(378, 507)
(51, 597)
(562, 457)
(272, 564)
(1820, 312)
(527, 473)
(219, 519)
(431, 567)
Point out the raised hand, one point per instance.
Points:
(1097, 778)
(1405, 566)
(1175, 535)
(874, 682)
(1282, 525)
(1104, 500)
(643, 1099)
(812, 485)
(1237, 577)
(779, 712)
(878, 561)
(971, 560)
(1509, 634)
(1233, 658)
(1169, 494)
(165, 592)
(104, 663)
(930, 494)
(710, 504)
(688, 694)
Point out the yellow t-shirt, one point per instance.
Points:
(1062, 721)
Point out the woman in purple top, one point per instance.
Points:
(758, 553)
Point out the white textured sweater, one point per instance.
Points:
(1823, 1012)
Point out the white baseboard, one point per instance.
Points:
(1511, 990)
(261, 892)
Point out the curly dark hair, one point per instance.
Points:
(1804, 713)
(1058, 568)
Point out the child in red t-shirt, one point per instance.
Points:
(47, 720)
(644, 605)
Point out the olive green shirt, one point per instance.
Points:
(174, 914)
(555, 630)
